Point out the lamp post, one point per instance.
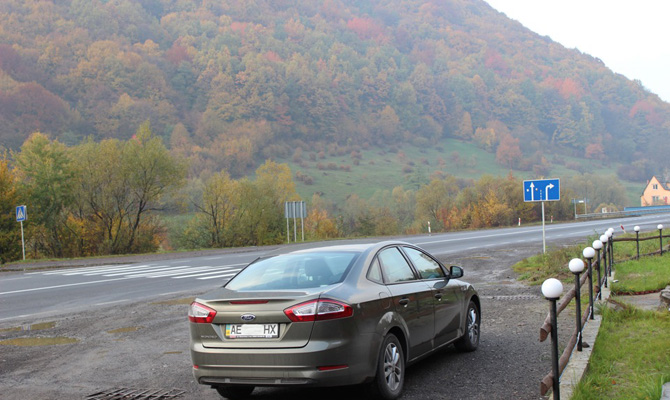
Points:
(609, 234)
(576, 267)
(660, 236)
(552, 289)
(605, 241)
(589, 253)
(637, 239)
(597, 245)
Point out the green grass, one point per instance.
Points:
(554, 264)
(631, 357)
(625, 250)
(649, 274)
(382, 169)
(634, 191)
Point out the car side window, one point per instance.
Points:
(427, 267)
(394, 266)
(375, 273)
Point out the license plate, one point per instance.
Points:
(252, 331)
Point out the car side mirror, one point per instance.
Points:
(455, 272)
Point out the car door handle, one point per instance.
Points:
(438, 296)
(404, 301)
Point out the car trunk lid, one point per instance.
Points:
(255, 319)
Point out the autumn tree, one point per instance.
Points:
(220, 202)
(597, 189)
(318, 224)
(403, 207)
(243, 212)
(433, 201)
(357, 218)
(491, 211)
(119, 185)
(465, 130)
(508, 152)
(45, 173)
(152, 173)
(101, 196)
(10, 237)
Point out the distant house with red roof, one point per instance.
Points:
(655, 193)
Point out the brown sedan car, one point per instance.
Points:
(331, 316)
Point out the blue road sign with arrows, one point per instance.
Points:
(542, 190)
(21, 213)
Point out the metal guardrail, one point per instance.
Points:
(625, 213)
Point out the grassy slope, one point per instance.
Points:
(383, 170)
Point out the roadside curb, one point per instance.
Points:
(666, 392)
(579, 360)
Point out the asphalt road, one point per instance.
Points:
(35, 293)
(70, 333)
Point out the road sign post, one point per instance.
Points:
(542, 190)
(22, 215)
(295, 210)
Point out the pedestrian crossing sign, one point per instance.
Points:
(21, 214)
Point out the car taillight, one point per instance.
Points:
(318, 310)
(201, 314)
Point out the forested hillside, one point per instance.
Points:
(228, 84)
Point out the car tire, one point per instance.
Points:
(234, 392)
(390, 378)
(470, 339)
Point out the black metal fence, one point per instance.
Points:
(600, 259)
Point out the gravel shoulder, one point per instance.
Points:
(145, 346)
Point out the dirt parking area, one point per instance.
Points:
(145, 346)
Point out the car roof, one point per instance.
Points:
(350, 247)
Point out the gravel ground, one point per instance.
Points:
(145, 346)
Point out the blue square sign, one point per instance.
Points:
(21, 213)
(541, 190)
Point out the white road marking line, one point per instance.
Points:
(159, 268)
(217, 276)
(101, 271)
(111, 302)
(61, 286)
(209, 273)
(187, 270)
(60, 271)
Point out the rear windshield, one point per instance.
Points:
(295, 271)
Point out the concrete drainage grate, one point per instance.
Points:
(136, 394)
(514, 297)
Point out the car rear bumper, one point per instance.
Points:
(346, 362)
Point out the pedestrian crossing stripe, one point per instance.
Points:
(204, 272)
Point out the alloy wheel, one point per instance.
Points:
(392, 366)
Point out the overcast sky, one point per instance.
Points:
(630, 36)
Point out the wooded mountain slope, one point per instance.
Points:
(228, 83)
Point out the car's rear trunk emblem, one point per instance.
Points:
(248, 317)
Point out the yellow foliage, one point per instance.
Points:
(319, 226)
